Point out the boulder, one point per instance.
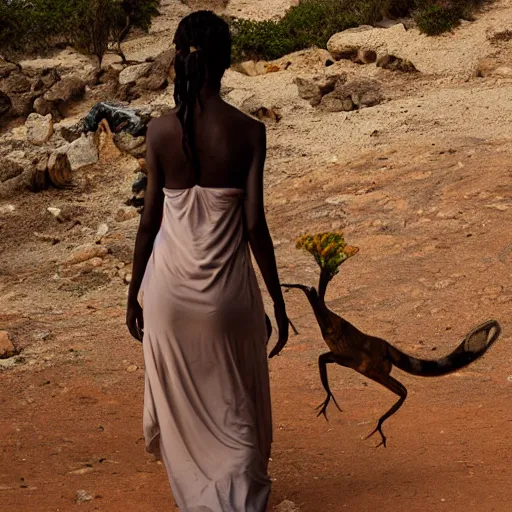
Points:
(333, 103)
(40, 176)
(353, 95)
(16, 83)
(39, 128)
(86, 252)
(127, 143)
(126, 213)
(65, 90)
(59, 169)
(81, 152)
(6, 68)
(312, 90)
(159, 73)
(309, 90)
(16, 171)
(22, 104)
(503, 72)
(394, 63)
(9, 169)
(45, 79)
(133, 73)
(380, 40)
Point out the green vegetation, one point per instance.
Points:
(312, 22)
(89, 25)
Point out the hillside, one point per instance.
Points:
(419, 178)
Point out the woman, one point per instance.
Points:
(207, 404)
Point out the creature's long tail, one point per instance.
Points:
(472, 346)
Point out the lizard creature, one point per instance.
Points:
(369, 355)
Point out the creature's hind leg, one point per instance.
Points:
(323, 360)
(397, 388)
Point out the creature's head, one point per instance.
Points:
(329, 250)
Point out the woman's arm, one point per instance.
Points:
(148, 229)
(260, 240)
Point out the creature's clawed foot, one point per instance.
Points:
(378, 429)
(324, 404)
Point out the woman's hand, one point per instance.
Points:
(282, 328)
(135, 319)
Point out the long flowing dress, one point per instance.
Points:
(207, 411)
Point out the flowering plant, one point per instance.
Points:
(329, 250)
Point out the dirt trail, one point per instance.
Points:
(428, 202)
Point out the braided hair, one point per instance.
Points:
(203, 53)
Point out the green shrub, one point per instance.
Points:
(436, 19)
(312, 23)
(89, 25)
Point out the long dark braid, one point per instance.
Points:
(203, 53)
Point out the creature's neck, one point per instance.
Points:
(322, 312)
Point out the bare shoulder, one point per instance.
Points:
(251, 126)
(161, 128)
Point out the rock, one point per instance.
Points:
(345, 45)
(365, 56)
(159, 74)
(309, 91)
(6, 68)
(6, 347)
(56, 212)
(312, 90)
(56, 100)
(40, 180)
(333, 103)
(379, 40)
(59, 169)
(39, 128)
(16, 83)
(132, 368)
(43, 107)
(70, 87)
(503, 71)
(127, 143)
(394, 63)
(82, 151)
(46, 79)
(133, 73)
(5, 104)
(9, 169)
(86, 252)
(18, 171)
(22, 104)
(246, 68)
(102, 230)
(287, 506)
(126, 213)
(355, 94)
(7, 208)
(263, 113)
(83, 496)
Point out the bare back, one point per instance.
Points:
(226, 141)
